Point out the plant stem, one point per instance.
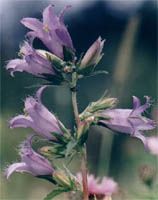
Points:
(74, 99)
(84, 152)
(84, 173)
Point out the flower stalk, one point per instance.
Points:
(84, 152)
(84, 173)
(74, 99)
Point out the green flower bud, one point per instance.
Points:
(61, 179)
(47, 150)
(102, 104)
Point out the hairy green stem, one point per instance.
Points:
(84, 152)
(74, 99)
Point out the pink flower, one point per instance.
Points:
(152, 143)
(106, 187)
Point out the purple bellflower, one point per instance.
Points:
(106, 187)
(31, 162)
(93, 54)
(52, 31)
(130, 120)
(37, 117)
(32, 62)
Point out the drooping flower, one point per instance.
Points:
(106, 187)
(52, 31)
(32, 62)
(130, 120)
(31, 162)
(152, 143)
(37, 117)
(93, 54)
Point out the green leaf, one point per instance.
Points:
(83, 138)
(54, 193)
(68, 54)
(60, 138)
(47, 177)
(58, 65)
(87, 70)
(69, 147)
(54, 79)
(98, 72)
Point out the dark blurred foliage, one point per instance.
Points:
(85, 24)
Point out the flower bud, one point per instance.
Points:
(47, 150)
(93, 55)
(146, 173)
(61, 179)
(102, 104)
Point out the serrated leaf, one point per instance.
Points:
(69, 147)
(54, 193)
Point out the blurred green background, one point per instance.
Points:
(130, 56)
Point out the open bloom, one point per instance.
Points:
(152, 143)
(52, 31)
(93, 53)
(37, 117)
(32, 62)
(130, 120)
(31, 162)
(106, 187)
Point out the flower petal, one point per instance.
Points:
(39, 93)
(44, 122)
(36, 163)
(137, 134)
(49, 18)
(142, 108)
(21, 121)
(33, 24)
(17, 167)
(63, 12)
(17, 65)
(136, 102)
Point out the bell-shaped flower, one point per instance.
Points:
(52, 31)
(37, 117)
(152, 143)
(31, 162)
(93, 54)
(130, 121)
(32, 62)
(104, 188)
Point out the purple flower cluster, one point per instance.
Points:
(55, 36)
